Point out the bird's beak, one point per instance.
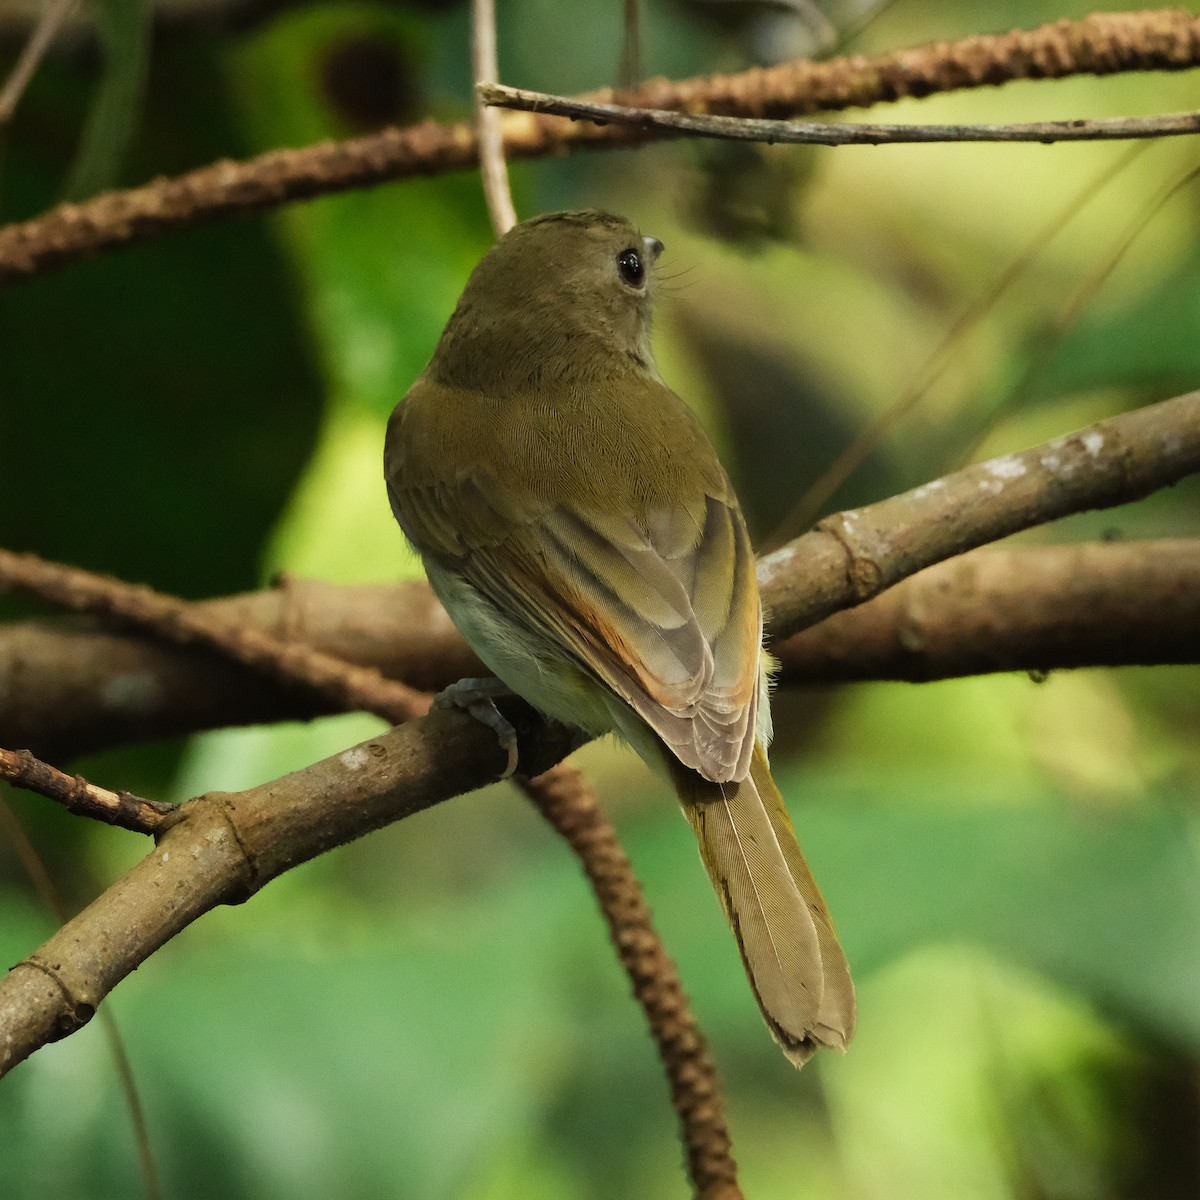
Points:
(653, 248)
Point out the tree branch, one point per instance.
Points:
(846, 559)
(349, 686)
(70, 686)
(222, 848)
(40, 39)
(23, 770)
(1014, 609)
(1102, 44)
(570, 805)
(826, 133)
(493, 169)
(183, 624)
(561, 794)
(854, 555)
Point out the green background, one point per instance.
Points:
(433, 1012)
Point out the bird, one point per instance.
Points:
(576, 523)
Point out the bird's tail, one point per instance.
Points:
(795, 965)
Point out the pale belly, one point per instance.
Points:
(535, 668)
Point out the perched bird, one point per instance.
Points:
(577, 525)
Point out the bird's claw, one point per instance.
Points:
(478, 697)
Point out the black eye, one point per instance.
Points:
(629, 263)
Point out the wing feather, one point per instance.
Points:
(664, 610)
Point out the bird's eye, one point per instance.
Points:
(629, 263)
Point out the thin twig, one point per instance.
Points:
(1102, 44)
(1051, 337)
(77, 795)
(492, 167)
(823, 133)
(31, 861)
(567, 801)
(133, 1101)
(32, 53)
(50, 896)
(813, 499)
(175, 620)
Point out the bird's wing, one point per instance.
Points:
(663, 609)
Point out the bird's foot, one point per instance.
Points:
(478, 697)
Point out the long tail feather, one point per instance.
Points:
(795, 966)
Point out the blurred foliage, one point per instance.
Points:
(432, 1012)
(123, 29)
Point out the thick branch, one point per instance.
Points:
(176, 621)
(854, 555)
(847, 559)
(1014, 609)
(248, 838)
(221, 849)
(68, 686)
(561, 794)
(1167, 39)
